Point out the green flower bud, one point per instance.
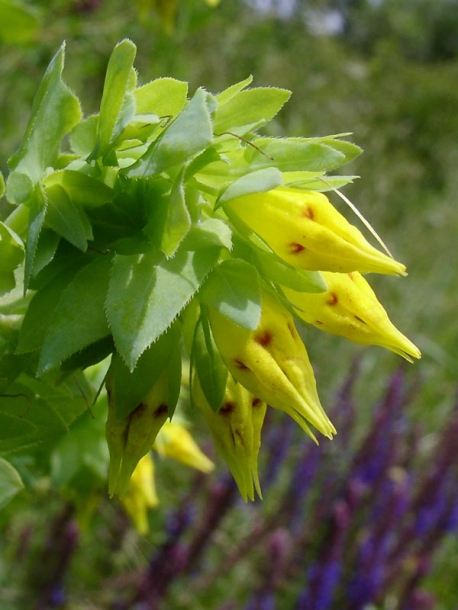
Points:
(350, 308)
(272, 363)
(305, 230)
(132, 437)
(236, 432)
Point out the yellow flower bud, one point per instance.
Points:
(236, 432)
(174, 441)
(350, 308)
(132, 437)
(305, 230)
(141, 494)
(272, 363)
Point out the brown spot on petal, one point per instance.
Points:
(227, 407)
(263, 338)
(318, 322)
(295, 248)
(139, 409)
(333, 299)
(255, 401)
(240, 365)
(161, 410)
(308, 213)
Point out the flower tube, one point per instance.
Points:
(305, 230)
(175, 441)
(236, 431)
(350, 308)
(272, 363)
(130, 438)
(141, 494)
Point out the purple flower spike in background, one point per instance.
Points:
(339, 529)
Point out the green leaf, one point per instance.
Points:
(233, 289)
(10, 482)
(189, 134)
(11, 255)
(79, 318)
(41, 421)
(89, 356)
(117, 106)
(66, 218)
(165, 97)
(299, 154)
(209, 155)
(177, 221)
(46, 250)
(41, 310)
(130, 387)
(320, 182)
(81, 188)
(168, 218)
(56, 110)
(19, 22)
(68, 398)
(7, 282)
(348, 149)
(148, 291)
(259, 181)
(84, 448)
(208, 233)
(208, 364)
(225, 96)
(83, 137)
(48, 265)
(37, 216)
(249, 108)
(18, 188)
(12, 427)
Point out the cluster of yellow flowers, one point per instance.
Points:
(269, 365)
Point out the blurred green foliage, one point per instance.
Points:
(388, 74)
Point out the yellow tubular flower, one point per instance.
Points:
(305, 230)
(174, 441)
(132, 437)
(236, 432)
(272, 363)
(141, 494)
(350, 308)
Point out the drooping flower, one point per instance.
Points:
(272, 363)
(236, 432)
(175, 441)
(306, 230)
(141, 494)
(350, 308)
(130, 438)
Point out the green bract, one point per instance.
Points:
(128, 241)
